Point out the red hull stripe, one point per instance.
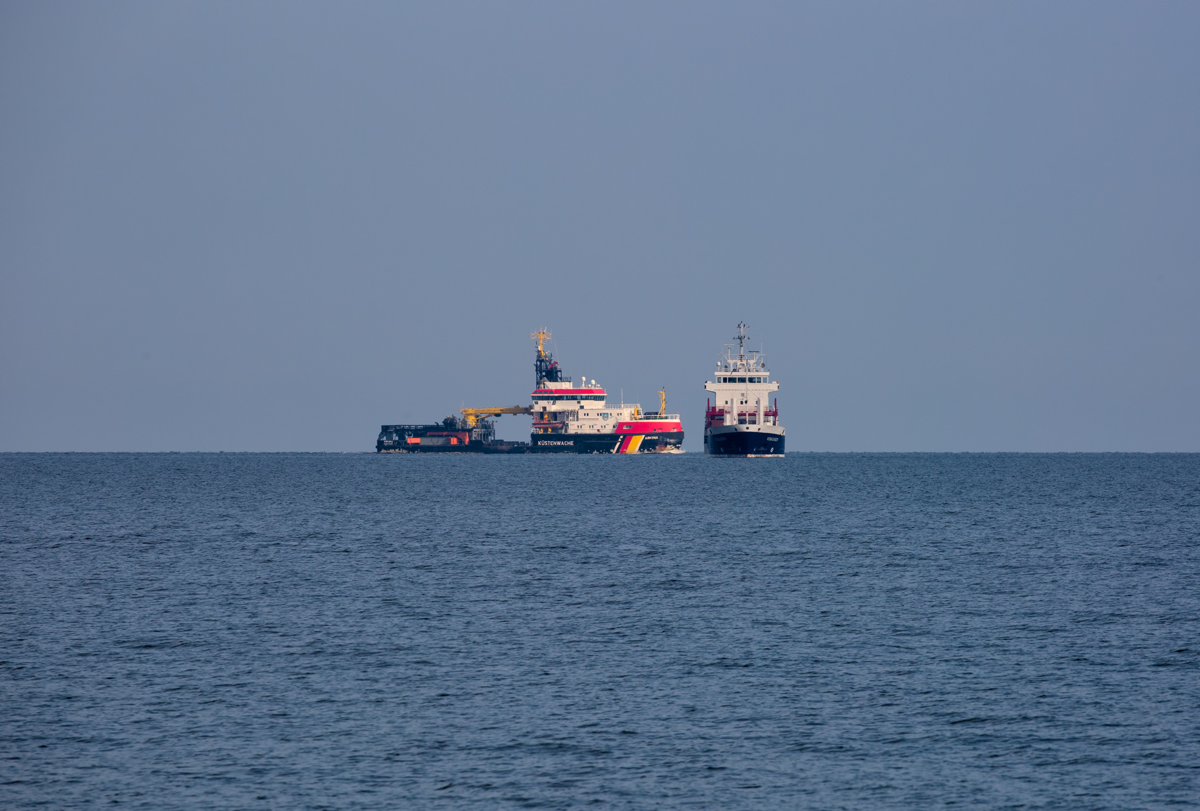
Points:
(647, 427)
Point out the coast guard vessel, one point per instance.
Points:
(742, 421)
(566, 419)
(570, 419)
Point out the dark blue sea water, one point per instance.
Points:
(821, 631)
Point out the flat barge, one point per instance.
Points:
(451, 435)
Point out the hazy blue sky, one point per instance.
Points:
(258, 226)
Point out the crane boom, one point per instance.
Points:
(474, 415)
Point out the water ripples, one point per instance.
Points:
(823, 631)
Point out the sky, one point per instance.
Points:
(275, 226)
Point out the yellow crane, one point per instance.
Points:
(474, 415)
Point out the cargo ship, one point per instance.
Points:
(566, 419)
(742, 421)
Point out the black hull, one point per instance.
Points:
(744, 443)
(452, 437)
(546, 443)
(601, 443)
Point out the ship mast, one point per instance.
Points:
(541, 336)
(741, 339)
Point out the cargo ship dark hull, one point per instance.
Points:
(721, 441)
(605, 443)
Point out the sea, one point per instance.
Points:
(821, 631)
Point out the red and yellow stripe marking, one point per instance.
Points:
(630, 444)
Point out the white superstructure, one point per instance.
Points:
(560, 407)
